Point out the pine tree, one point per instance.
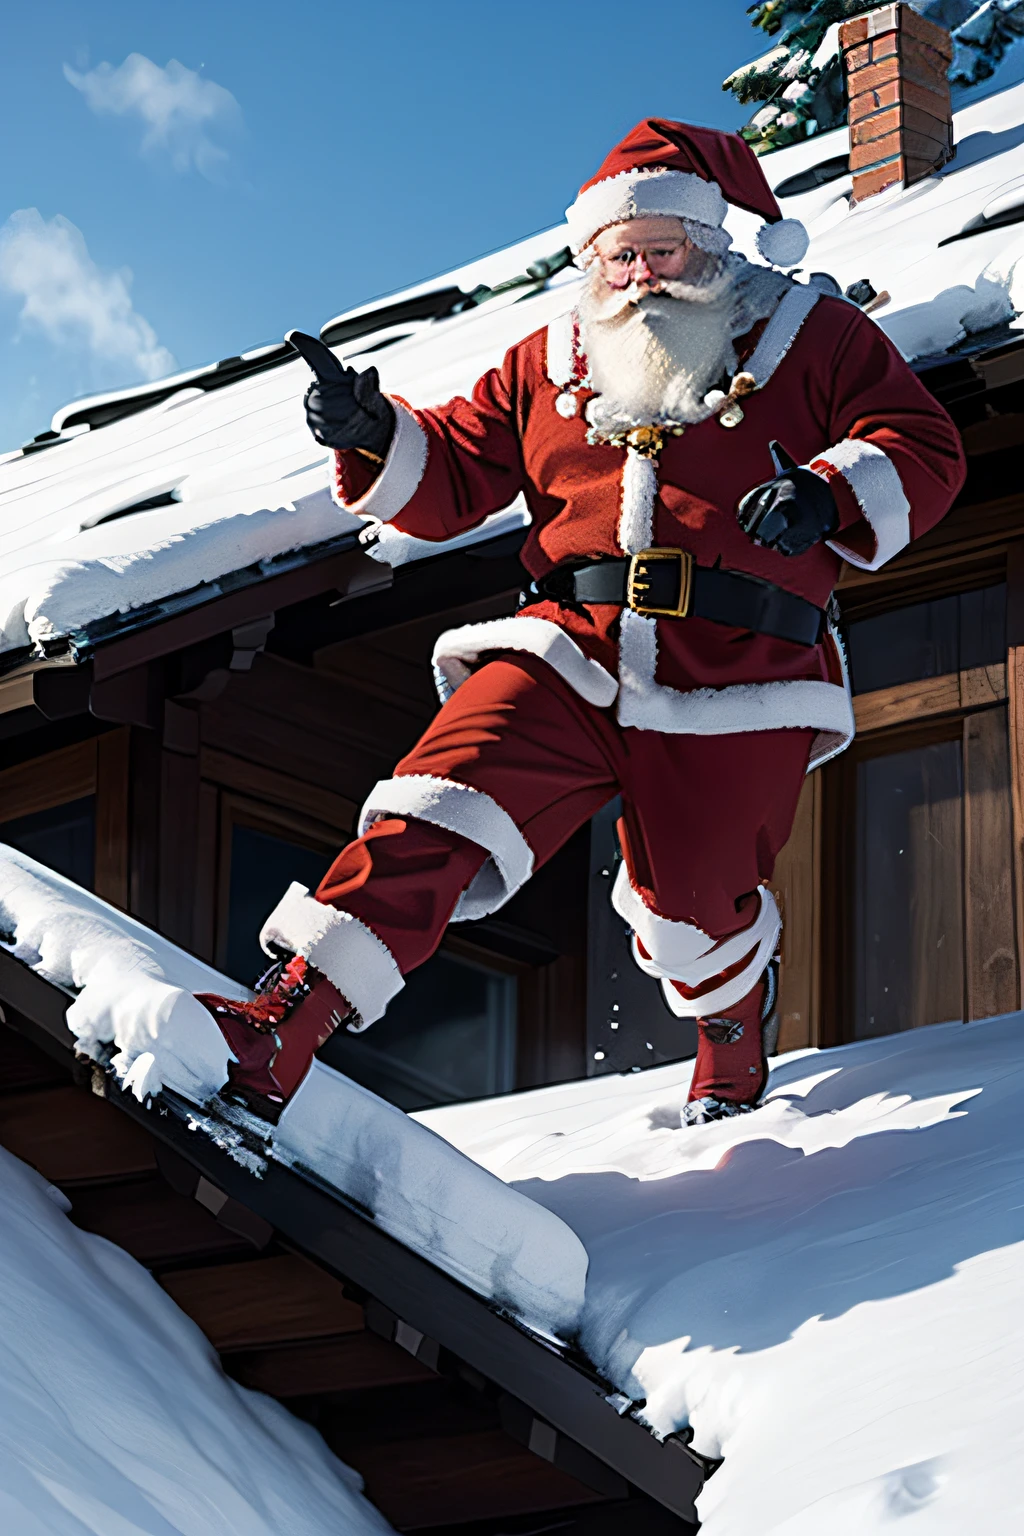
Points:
(800, 78)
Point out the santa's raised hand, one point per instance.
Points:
(792, 512)
(344, 409)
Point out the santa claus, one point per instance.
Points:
(677, 643)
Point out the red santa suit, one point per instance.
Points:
(706, 729)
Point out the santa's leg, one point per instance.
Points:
(509, 768)
(704, 819)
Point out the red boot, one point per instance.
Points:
(731, 1070)
(274, 1037)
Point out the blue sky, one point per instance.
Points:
(296, 160)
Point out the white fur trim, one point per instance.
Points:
(559, 359)
(400, 473)
(875, 482)
(471, 813)
(828, 743)
(639, 488)
(648, 705)
(781, 331)
(682, 952)
(767, 926)
(673, 946)
(783, 243)
(643, 194)
(457, 650)
(678, 951)
(339, 946)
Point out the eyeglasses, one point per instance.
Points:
(673, 261)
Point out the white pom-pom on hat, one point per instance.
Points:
(783, 243)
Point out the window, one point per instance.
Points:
(911, 842)
(931, 639)
(908, 890)
(922, 906)
(450, 1034)
(262, 868)
(63, 838)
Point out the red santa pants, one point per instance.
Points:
(508, 770)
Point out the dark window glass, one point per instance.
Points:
(262, 868)
(63, 839)
(983, 626)
(908, 925)
(947, 634)
(448, 1035)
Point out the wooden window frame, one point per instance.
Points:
(99, 768)
(976, 546)
(540, 988)
(813, 870)
(275, 821)
(989, 915)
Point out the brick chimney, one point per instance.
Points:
(901, 120)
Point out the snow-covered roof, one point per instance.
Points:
(134, 991)
(237, 482)
(942, 289)
(825, 1292)
(249, 483)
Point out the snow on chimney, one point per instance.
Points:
(901, 120)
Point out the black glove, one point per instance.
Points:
(344, 409)
(791, 513)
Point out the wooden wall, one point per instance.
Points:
(983, 708)
(293, 750)
(97, 767)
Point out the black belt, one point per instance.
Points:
(668, 584)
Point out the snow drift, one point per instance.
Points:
(828, 1291)
(135, 993)
(115, 1417)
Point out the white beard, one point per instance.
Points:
(654, 358)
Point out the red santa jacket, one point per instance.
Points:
(829, 386)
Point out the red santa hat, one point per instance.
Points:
(663, 167)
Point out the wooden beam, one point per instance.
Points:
(204, 914)
(350, 572)
(797, 887)
(156, 1225)
(929, 697)
(991, 970)
(23, 1065)
(45, 782)
(180, 849)
(309, 756)
(113, 778)
(267, 1301)
(279, 790)
(967, 534)
(454, 1478)
(71, 1136)
(144, 825)
(346, 1364)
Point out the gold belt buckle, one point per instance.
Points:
(639, 581)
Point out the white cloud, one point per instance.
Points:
(178, 107)
(70, 300)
